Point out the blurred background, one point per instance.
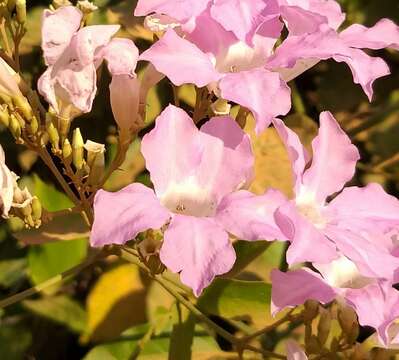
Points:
(106, 311)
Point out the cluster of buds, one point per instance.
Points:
(17, 7)
(27, 207)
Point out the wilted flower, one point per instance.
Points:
(7, 181)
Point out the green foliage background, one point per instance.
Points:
(112, 311)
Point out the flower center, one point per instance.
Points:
(343, 273)
(312, 212)
(188, 198)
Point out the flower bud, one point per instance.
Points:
(67, 150)
(93, 149)
(221, 107)
(21, 11)
(86, 7)
(15, 127)
(36, 209)
(33, 126)
(96, 169)
(22, 104)
(53, 134)
(59, 3)
(124, 94)
(312, 345)
(347, 318)
(77, 149)
(4, 116)
(11, 5)
(311, 311)
(324, 326)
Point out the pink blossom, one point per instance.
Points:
(194, 173)
(7, 184)
(375, 301)
(73, 55)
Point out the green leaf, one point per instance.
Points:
(50, 197)
(246, 252)
(11, 271)
(48, 260)
(60, 309)
(229, 298)
(182, 337)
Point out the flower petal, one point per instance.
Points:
(58, 27)
(326, 44)
(171, 149)
(179, 9)
(261, 91)
(296, 152)
(368, 207)
(125, 97)
(121, 56)
(120, 216)
(251, 217)
(333, 153)
(242, 17)
(376, 305)
(385, 33)
(307, 242)
(372, 260)
(198, 248)
(295, 287)
(181, 61)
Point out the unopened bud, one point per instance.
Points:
(93, 149)
(312, 345)
(324, 326)
(77, 149)
(33, 126)
(4, 116)
(23, 106)
(21, 11)
(53, 134)
(36, 209)
(26, 210)
(15, 127)
(6, 99)
(67, 150)
(59, 3)
(346, 318)
(44, 139)
(96, 169)
(311, 310)
(221, 107)
(86, 7)
(63, 126)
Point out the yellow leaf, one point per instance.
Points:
(116, 302)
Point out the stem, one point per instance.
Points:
(268, 328)
(393, 160)
(50, 282)
(50, 164)
(297, 101)
(193, 309)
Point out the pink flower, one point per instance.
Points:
(193, 172)
(375, 301)
(73, 55)
(294, 351)
(7, 184)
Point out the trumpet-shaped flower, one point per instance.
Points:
(375, 301)
(7, 182)
(73, 55)
(193, 172)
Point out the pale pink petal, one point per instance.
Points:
(7, 181)
(376, 305)
(45, 86)
(261, 91)
(8, 80)
(241, 160)
(333, 153)
(242, 17)
(293, 288)
(58, 27)
(76, 85)
(171, 149)
(120, 216)
(125, 97)
(326, 44)
(296, 152)
(198, 248)
(383, 34)
(371, 259)
(330, 9)
(179, 9)
(121, 56)
(88, 40)
(300, 21)
(369, 207)
(181, 61)
(294, 351)
(308, 243)
(251, 217)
